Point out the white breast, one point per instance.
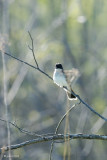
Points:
(59, 78)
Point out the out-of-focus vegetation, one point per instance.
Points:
(73, 33)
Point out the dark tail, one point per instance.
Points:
(71, 96)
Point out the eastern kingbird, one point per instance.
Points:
(63, 79)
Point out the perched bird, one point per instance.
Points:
(64, 78)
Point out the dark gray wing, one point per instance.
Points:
(71, 75)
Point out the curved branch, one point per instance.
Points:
(55, 137)
(56, 130)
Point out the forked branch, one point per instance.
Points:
(32, 49)
(18, 59)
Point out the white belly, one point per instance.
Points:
(59, 79)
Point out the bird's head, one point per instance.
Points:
(58, 66)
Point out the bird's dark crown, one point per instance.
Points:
(59, 66)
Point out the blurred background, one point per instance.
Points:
(71, 32)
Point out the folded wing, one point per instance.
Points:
(72, 75)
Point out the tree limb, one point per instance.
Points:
(51, 138)
(27, 64)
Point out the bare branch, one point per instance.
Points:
(29, 47)
(88, 106)
(32, 49)
(55, 137)
(56, 130)
(20, 129)
(63, 117)
(26, 131)
(28, 64)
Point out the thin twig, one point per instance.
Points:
(27, 64)
(32, 49)
(26, 131)
(51, 138)
(56, 130)
(88, 106)
(20, 129)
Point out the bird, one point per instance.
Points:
(64, 78)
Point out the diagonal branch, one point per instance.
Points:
(87, 105)
(26, 131)
(20, 129)
(27, 64)
(51, 138)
